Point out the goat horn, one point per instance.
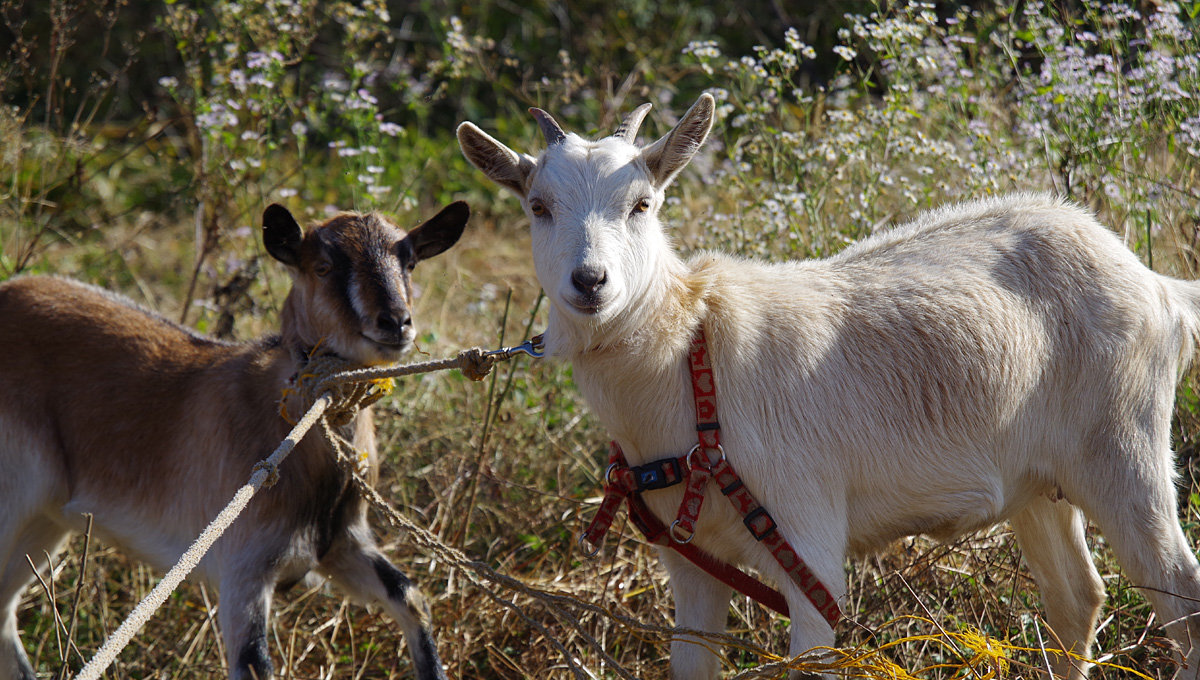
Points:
(550, 128)
(629, 127)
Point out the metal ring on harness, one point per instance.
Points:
(589, 554)
(707, 465)
(608, 480)
(676, 538)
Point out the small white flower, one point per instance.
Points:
(845, 52)
(792, 38)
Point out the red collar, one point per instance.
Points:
(706, 460)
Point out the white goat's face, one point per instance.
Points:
(593, 205)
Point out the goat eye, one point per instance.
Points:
(641, 206)
(538, 208)
(322, 268)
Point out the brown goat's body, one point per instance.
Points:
(110, 410)
(158, 422)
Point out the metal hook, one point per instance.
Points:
(534, 348)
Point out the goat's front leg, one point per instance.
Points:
(701, 603)
(359, 569)
(809, 629)
(245, 607)
(13, 662)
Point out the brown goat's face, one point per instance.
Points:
(352, 287)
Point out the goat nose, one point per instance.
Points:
(588, 279)
(391, 323)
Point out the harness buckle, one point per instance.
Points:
(658, 475)
(751, 519)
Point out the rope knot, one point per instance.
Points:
(476, 363)
(271, 469)
(312, 381)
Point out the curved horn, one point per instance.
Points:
(554, 133)
(629, 127)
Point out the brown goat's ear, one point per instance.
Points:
(666, 157)
(282, 235)
(439, 232)
(500, 163)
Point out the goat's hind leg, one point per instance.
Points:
(1135, 509)
(359, 569)
(34, 537)
(1051, 536)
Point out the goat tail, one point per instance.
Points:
(1186, 295)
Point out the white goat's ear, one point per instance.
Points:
(669, 155)
(500, 163)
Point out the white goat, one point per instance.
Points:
(940, 377)
(108, 409)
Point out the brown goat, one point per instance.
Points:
(108, 409)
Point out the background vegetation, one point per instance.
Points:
(141, 139)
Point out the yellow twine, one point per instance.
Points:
(983, 657)
(348, 397)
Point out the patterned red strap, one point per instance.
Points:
(622, 484)
(761, 525)
(708, 460)
(705, 461)
(708, 432)
(656, 532)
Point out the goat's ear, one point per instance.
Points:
(439, 232)
(503, 165)
(666, 157)
(282, 235)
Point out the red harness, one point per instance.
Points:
(623, 483)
